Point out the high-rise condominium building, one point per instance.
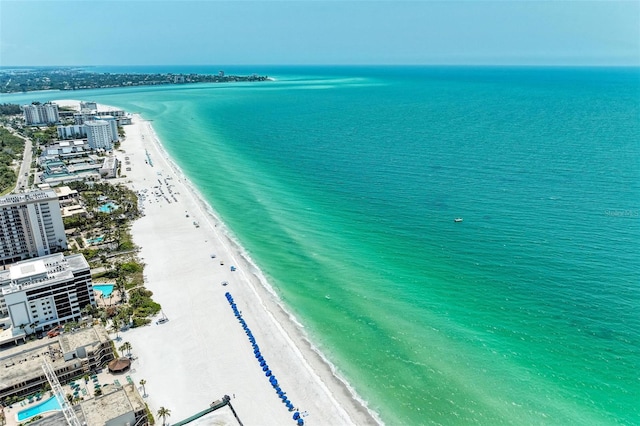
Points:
(100, 133)
(41, 113)
(50, 290)
(30, 226)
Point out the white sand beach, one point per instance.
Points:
(202, 352)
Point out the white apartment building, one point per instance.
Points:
(109, 168)
(30, 225)
(100, 133)
(50, 290)
(41, 113)
(72, 131)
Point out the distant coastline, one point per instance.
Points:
(21, 80)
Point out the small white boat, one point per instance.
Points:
(457, 219)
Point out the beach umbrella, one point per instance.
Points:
(300, 421)
(268, 373)
(262, 363)
(296, 415)
(265, 367)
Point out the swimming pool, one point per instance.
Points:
(108, 207)
(50, 404)
(95, 240)
(105, 289)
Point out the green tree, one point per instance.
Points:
(144, 391)
(163, 413)
(115, 326)
(126, 346)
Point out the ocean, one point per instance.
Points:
(343, 183)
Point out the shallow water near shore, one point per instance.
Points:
(343, 185)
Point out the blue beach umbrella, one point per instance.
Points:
(296, 415)
(265, 367)
(300, 421)
(268, 373)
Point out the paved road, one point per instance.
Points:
(25, 168)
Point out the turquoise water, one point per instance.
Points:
(106, 289)
(108, 207)
(95, 240)
(342, 184)
(50, 404)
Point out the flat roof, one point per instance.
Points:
(98, 411)
(22, 362)
(81, 338)
(27, 269)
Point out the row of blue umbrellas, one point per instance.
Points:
(263, 363)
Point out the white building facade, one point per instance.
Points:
(50, 290)
(72, 131)
(100, 133)
(30, 225)
(41, 113)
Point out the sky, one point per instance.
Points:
(315, 32)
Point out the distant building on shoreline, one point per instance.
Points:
(41, 113)
(88, 106)
(30, 226)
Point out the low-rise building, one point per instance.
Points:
(66, 195)
(109, 168)
(69, 354)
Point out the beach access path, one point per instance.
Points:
(202, 353)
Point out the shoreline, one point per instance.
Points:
(200, 319)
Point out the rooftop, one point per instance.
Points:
(18, 363)
(41, 270)
(28, 197)
(98, 411)
(82, 337)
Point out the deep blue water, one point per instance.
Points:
(343, 183)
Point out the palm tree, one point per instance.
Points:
(142, 383)
(163, 413)
(126, 346)
(115, 325)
